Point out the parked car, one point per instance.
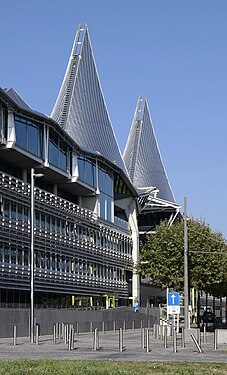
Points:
(208, 317)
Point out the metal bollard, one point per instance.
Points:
(174, 341)
(204, 333)
(165, 337)
(120, 340)
(183, 337)
(114, 326)
(199, 337)
(65, 333)
(37, 334)
(14, 335)
(141, 324)
(143, 344)
(62, 331)
(161, 329)
(133, 325)
(215, 339)
(103, 327)
(158, 331)
(96, 339)
(148, 341)
(154, 330)
(57, 327)
(77, 328)
(91, 327)
(72, 338)
(124, 325)
(54, 335)
(69, 338)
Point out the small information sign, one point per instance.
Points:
(173, 305)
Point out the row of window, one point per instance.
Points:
(64, 227)
(50, 261)
(30, 137)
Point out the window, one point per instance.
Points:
(87, 170)
(58, 152)
(29, 136)
(106, 195)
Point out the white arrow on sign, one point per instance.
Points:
(173, 298)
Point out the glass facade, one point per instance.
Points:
(58, 152)
(87, 171)
(106, 195)
(29, 136)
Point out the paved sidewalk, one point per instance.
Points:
(109, 349)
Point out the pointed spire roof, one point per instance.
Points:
(80, 107)
(142, 156)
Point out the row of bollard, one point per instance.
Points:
(104, 328)
(160, 331)
(66, 332)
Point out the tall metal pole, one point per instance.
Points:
(186, 298)
(32, 259)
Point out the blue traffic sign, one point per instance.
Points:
(136, 305)
(173, 299)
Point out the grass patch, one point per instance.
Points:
(57, 367)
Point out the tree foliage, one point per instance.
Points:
(162, 257)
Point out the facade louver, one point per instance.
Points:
(80, 107)
(142, 156)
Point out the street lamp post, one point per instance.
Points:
(33, 176)
(186, 298)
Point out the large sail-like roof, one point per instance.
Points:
(80, 107)
(142, 156)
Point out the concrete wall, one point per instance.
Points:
(46, 318)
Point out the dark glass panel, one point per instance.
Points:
(42, 259)
(81, 168)
(63, 160)
(109, 185)
(33, 139)
(26, 258)
(102, 180)
(43, 220)
(21, 136)
(53, 150)
(19, 255)
(25, 214)
(1, 252)
(63, 156)
(89, 173)
(20, 212)
(6, 208)
(13, 255)
(13, 210)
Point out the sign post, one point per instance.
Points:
(173, 303)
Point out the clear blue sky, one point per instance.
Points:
(172, 52)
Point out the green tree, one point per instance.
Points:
(162, 257)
